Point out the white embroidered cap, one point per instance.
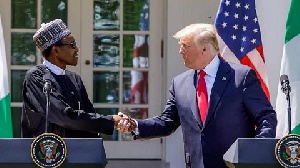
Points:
(50, 33)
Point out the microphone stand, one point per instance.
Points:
(47, 90)
(289, 112)
(286, 90)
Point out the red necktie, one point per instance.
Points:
(202, 96)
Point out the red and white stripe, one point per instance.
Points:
(254, 59)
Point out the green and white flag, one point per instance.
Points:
(5, 110)
(290, 65)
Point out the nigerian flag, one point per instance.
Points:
(5, 111)
(290, 65)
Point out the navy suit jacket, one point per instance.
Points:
(238, 108)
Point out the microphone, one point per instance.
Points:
(285, 84)
(47, 89)
(286, 89)
(47, 83)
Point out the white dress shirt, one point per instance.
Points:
(53, 68)
(211, 72)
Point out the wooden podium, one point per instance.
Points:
(252, 152)
(81, 153)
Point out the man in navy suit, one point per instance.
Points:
(237, 106)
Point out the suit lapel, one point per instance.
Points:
(222, 79)
(191, 95)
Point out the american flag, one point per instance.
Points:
(240, 37)
(139, 79)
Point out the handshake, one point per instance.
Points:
(124, 123)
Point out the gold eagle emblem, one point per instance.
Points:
(48, 149)
(292, 151)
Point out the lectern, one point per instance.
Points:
(81, 153)
(252, 153)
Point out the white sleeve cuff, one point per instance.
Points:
(136, 131)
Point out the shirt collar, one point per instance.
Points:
(53, 68)
(212, 68)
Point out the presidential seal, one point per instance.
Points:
(48, 150)
(287, 151)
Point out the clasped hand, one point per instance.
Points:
(124, 123)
